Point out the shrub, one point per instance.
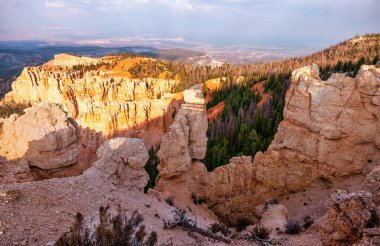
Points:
(307, 222)
(374, 221)
(118, 230)
(292, 227)
(10, 195)
(260, 231)
(196, 199)
(243, 223)
(220, 227)
(271, 202)
(151, 167)
(7, 110)
(326, 181)
(169, 200)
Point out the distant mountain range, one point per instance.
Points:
(14, 56)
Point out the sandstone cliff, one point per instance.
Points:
(67, 60)
(104, 102)
(330, 131)
(186, 139)
(38, 213)
(353, 217)
(43, 138)
(349, 214)
(123, 159)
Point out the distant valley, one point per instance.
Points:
(14, 56)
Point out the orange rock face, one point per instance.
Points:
(103, 104)
(348, 215)
(330, 130)
(186, 140)
(43, 141)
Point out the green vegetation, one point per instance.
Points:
(260, 231)
(111, 231)
(197, 199)
(307, 221)
(91, 67)
(243, 128)
(148, 69)
(220, 227)
(170, 201)
(242, 224)
(151, 167)
(7, 110)
(293, 227)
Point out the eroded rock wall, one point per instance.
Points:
(123, 160)
(103, 104)
(330, 130)
(186, 140)
(348, 215)
(43, 138)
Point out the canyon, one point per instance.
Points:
(330, 132)
(101, 123)
(104, 103)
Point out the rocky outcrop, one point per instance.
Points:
(43, 138)
(104, 102)
(372, 185)
(186, 140)
(348, 215)
(330, 129)
(66, 60)
(274, 218)
(29, 210)
(371, 236)
(123, 161)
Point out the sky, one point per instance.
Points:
(212, 22)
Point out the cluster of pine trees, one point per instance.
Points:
(243, 128)
(148, 69)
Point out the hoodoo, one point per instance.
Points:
(103, 102)
(330, 130)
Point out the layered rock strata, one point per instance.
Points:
(347, 217)
(104, 104)
(186, 140)
(330, 131)
(123, 159)
(372, 185)
(38, 213)
(353, 217)
(43, 138)
(67, 60)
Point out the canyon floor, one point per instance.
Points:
(41, 211)
(322, 163)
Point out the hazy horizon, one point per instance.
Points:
(188, 22)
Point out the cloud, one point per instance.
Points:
(6, 3)
(187, 5)
(112, 5)
(119, 4)
(55, 4)
(211, 21)
(13, 3)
